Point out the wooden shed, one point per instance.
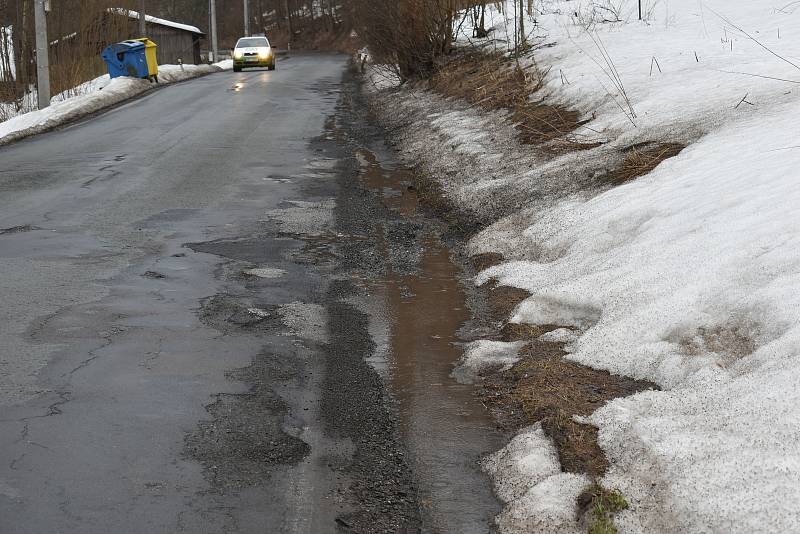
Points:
(175, 40)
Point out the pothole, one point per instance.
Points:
(228, 314)
(18, 229)
(246, 438)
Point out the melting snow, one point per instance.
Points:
(689, 276)
(484, 355)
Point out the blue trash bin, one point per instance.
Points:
(127, 58)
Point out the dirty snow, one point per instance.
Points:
(484, 356)
(95, 95)
(559, 335)
(528, 478)
(689, 276)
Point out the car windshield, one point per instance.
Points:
(252, 42)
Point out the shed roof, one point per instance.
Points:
(155, 20)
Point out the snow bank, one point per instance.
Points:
(689, 276)
(528, 478)
(485, 355)
(95, 95)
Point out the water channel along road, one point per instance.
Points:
(223, 311)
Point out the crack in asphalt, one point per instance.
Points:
(52, 409)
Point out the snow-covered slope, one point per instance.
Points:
(688, 276)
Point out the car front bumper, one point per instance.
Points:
(253, 62)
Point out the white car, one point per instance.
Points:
(253, 52)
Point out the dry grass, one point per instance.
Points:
(488, 80)
(640, 159)
(544, 387)
(525, 332)
(481, 262)
(502, 300)
(493, 82)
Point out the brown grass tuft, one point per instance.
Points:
(494, 82)
(481, 262)
(525, 332)
(640, 159)
(502, 300)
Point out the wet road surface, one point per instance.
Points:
(205, 323)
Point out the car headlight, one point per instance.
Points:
(237, 54)
(263, 53)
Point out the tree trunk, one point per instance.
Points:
(22, 48)
(288, 21)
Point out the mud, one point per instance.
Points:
(403, 261)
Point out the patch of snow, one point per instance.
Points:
(548, 508)
(484, 355)
(560, 335)
(527, 477)
(381, 77)
(528, 459)
(225, 64)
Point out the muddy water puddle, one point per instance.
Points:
(444, 425)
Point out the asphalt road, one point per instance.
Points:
(148, 383)
(201, 292)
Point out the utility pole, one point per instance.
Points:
(42, 53)
(142, 20)
(640, 9)
(246, 18)
(214, 42)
